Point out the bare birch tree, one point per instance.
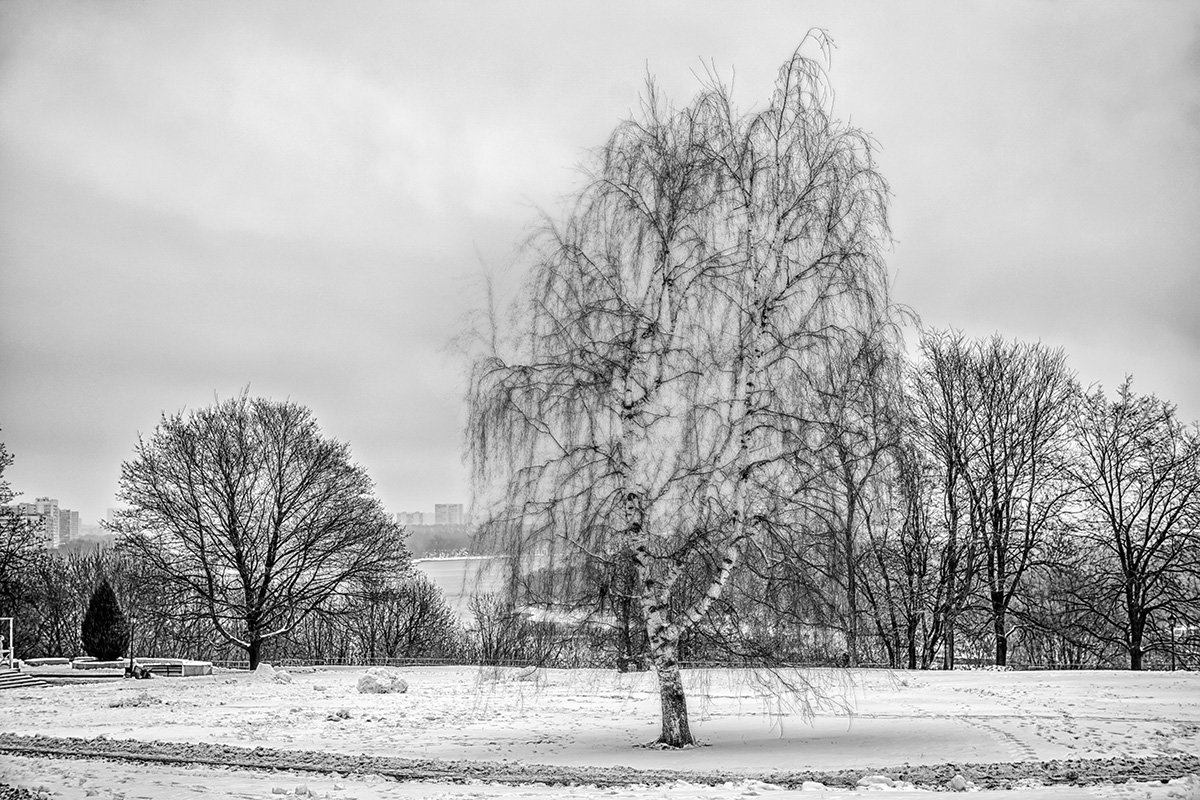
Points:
(247, 507)
(648, 405)
(1139, 471)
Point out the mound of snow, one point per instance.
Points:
(139, 700)
(378, 680)
(265, 673)
(959, 784)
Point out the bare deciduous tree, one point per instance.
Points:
(406, 618)
(856, 417)
(1139, 471)
(248, 507)
(20, 540)
(938, 430)
(907, 562)
(650, 405)
(1001, 414)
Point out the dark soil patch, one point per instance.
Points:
(989, 776)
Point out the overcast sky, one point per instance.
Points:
(297, 196)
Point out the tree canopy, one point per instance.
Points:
(105, 632)
(248, 507)
(648, 416)
(20, 540)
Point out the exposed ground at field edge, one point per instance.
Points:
(990, 776)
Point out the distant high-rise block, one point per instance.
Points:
(443, 514)
(448, 514)
(68, 526)
(44, 513)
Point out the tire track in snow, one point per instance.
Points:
(989, 775)
(1018, 748)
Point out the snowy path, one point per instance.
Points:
(1081, 772)
(594, 718)
(106, 780)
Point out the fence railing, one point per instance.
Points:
(965, 665)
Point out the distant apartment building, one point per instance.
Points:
(448, 514)
(68, 526)
(447, 529)
(57, 525)
(443, 514)
(47, 507)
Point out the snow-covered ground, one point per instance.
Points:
(598, 718)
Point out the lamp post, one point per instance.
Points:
(1171, 622)
(132, 624)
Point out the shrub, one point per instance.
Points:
(105, 632)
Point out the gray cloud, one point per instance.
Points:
(295, 196)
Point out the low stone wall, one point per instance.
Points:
(175, 666)
(89, 663)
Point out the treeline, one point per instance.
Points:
(371, 621)
(985, 506)
(974, 506)
(1001, 512)
(979, 504)
(406, 618)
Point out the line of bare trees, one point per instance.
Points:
(248, 533)
(973, 504)
(403, 617)
(1042, 517)
(989, 509)
(977, 504)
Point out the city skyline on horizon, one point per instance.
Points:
(63, 525)
(112, 511)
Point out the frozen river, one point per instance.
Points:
(464, 578)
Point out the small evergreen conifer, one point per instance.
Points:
(105, 632)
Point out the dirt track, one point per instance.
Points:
(992, 776)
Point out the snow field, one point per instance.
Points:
(93, 780)
(597, 718)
